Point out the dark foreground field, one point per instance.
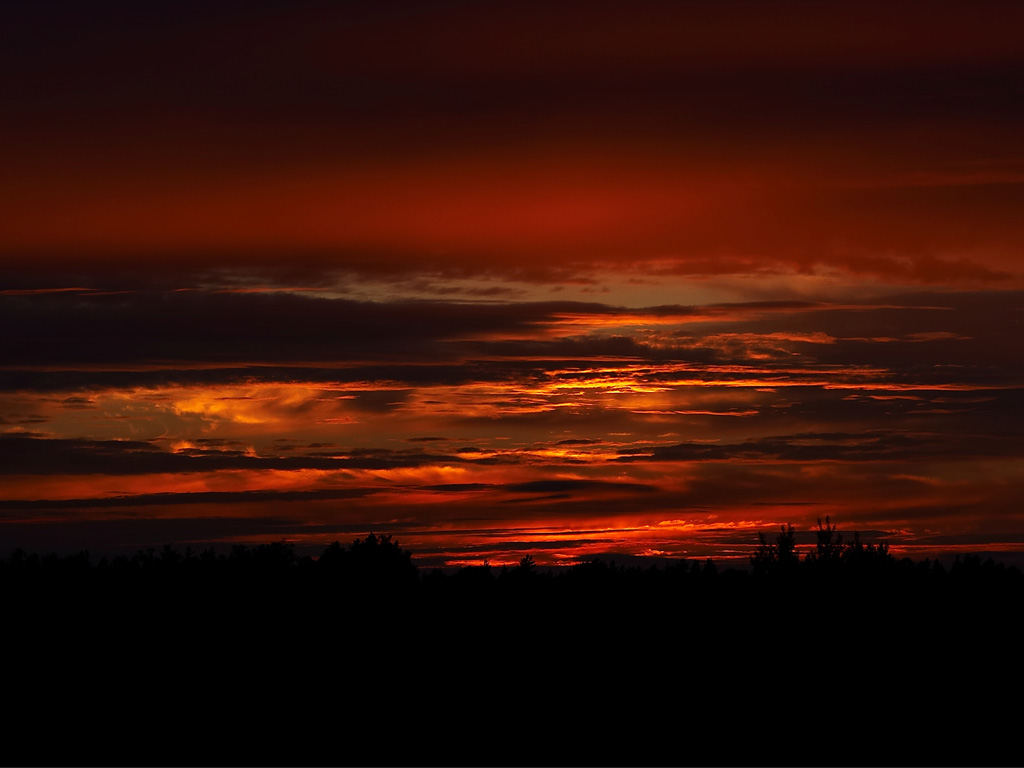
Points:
(844, 655)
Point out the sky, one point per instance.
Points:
(553, 278)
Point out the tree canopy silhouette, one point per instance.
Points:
(780, 557)
(375, 561)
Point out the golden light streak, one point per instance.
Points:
(652, 412)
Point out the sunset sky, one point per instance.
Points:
(501, 278)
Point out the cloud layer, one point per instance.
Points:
(502, 420)
(547, 277)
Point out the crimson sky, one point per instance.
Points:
(508, 278)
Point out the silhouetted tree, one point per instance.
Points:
(828, 550)
(373, 562)
(860, 556)
(780, 556)
(522, 579)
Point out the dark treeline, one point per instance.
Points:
(375, 584)
(367, 570)
(259, 656)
